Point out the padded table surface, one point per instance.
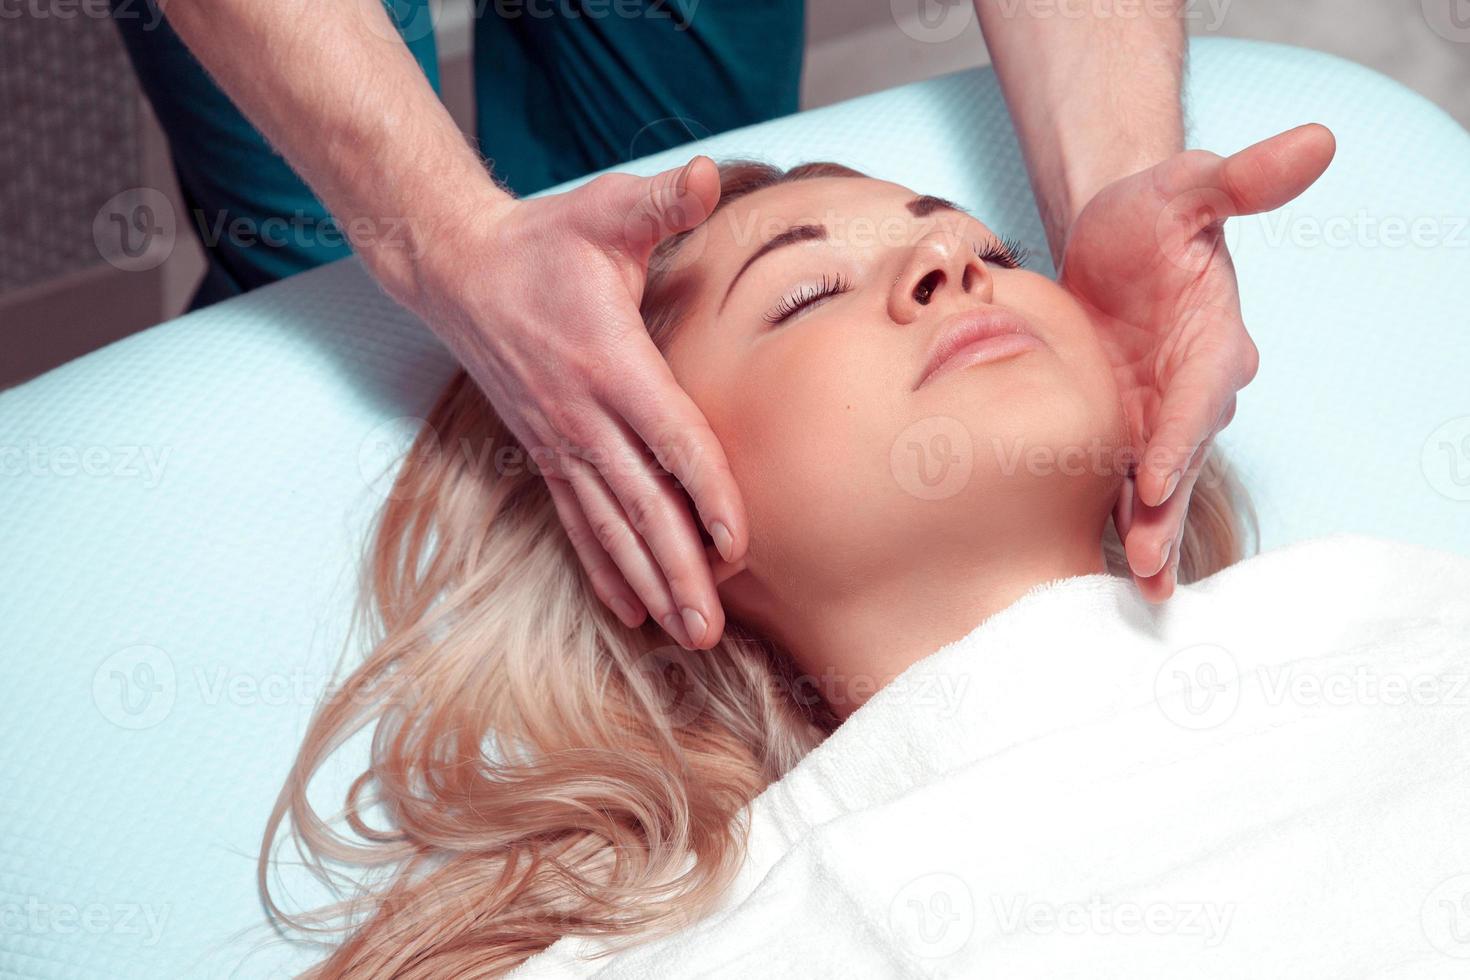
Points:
(183, 510)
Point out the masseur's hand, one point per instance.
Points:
(1147, 257)
(538, 299)
(545, 318)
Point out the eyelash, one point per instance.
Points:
(1009, 252)
(808, 296)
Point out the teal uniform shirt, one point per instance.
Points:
(562, 87)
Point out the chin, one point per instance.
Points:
(1043, 441)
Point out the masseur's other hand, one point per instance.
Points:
(1147, 257)
(542, 300)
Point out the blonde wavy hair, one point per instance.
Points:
(543, 769)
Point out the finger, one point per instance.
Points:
(1203, 189)
(720, 569)
(617, 536)
(1160, 586)
(608, 580)
(673, 427)
(1156, 534)
(1193, 409)
(643, 211)
(1229, 415)
(1123, 508)
(1266, 175)
(657, 513)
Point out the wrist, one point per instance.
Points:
(1080, 175)
(423, 265)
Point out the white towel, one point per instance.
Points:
(1268, 776)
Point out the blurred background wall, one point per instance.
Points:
(75, 131)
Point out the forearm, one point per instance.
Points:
(1093, 90)
(343, 100)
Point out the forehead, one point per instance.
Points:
(857, 208)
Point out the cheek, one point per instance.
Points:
(1090, 374)
(806, 431)
(1068, 408)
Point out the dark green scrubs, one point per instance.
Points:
(565, 87)
(562, 87)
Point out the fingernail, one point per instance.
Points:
(676, 630)
(1164, 556)
(724, 540)
(1170, 484)
(695, 624)
(624, 611)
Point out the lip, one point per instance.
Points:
(977, 337)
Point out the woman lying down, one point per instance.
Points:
(944, 733)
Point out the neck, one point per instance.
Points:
(849, 646)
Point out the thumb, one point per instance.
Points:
(668, 203)
(1268, 174)
(1203, 189)
(1200, 190)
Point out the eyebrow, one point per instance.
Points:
(792, 235)
(919, 207)
(926, 204)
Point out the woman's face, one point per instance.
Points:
(819, 314)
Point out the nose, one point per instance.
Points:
(941, 272)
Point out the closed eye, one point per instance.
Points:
(808, 296)
(1007, 252)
